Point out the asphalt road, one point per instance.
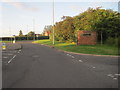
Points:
(37, 66)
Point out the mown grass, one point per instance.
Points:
(85, 49)
(5, 41)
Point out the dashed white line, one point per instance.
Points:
(72, 56)
(19, 50)
(114, 78)
(5, 57)
(11, 59)
(80, 61)
(93, 67)
(68, 54)
(10, 54)
(117, 74)
(110, 75)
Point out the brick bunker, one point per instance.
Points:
(86, 38)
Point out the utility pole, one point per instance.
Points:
(34, 29)
(27, 32)
(10, 34)
(53, 25)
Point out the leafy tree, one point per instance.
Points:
(105, 22)
(31, 34)
(64, 30)
(48, 29)
(20, 33)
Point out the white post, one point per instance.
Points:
(10, 34)
(34, 28)
(27, 32)
(53, 25)
(14, 39)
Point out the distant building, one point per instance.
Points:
(86, 38)
(9, 38)
(47, 33)
(37, 35)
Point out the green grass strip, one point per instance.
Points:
(85, 49)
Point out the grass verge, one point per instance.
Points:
(85, 49)
(5, 41)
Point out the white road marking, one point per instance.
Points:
(117, 74)
(80, 61)
(11, 59)
(5, 57)
(72, 56)
(93, 67)
(109, 75)
(115, 78)
(10, 54)
(68, 54)
(19, 50)
(112, 76)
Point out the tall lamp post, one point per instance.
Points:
(34, 29)
(10, 34)
(53, 25)
(27, 32)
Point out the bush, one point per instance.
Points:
(113, 41)
(117, 41)
(31, 38)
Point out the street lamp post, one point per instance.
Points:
(27, 32)
(53, 25)
(34, 29)
(10, 34)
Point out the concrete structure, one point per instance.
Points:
(86, 38)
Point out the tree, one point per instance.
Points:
(47, 28)
(31, 34)
(20, 33)
(104, 22)
(64, 30)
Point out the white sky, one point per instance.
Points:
(15, 15)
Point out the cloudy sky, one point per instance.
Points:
(18, 15)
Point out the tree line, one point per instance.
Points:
(104, 21)
(30, 36)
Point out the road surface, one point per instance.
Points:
(37, 66)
